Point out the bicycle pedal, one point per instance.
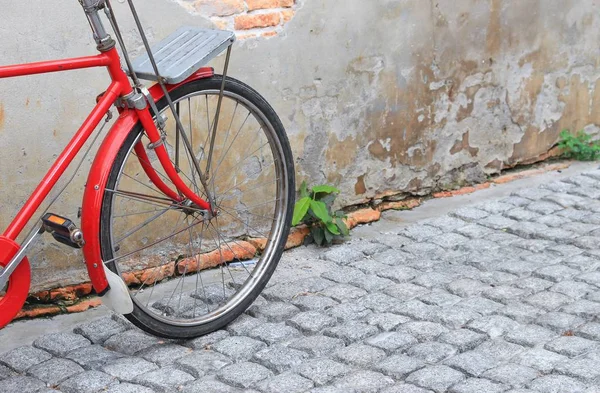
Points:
(63, 230)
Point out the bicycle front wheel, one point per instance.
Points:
(191, 272)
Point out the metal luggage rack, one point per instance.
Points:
(182, 53)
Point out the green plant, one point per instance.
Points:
(579, 147)
(314, 210)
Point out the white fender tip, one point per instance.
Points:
(117, 298)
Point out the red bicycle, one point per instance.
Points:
(188, 202)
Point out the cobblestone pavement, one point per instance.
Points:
(503, 296)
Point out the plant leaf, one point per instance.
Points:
(325, 188)
(318, 235)
(300, 210)
(303, 190)
(328, 236)
(320, 210)
(342, 225)
(331, 227)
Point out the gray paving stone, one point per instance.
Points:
(286, 291)
(405, 388)
(274, 311)
(343, 255)
(437, 378)
(286, 382)
(279, 358)
(131, 341)
(534, 284)
(469, 214)
(369, 248)
(571, 345)
(21, 384)
(311, 322)
(395, 257)
(520, 268)
(473, 363)
(88, 382)
(6, 372)
(272, 333)
(359, 355)
(399, 366)
(98, 330)
(582, 308)
(349, 312)
(559, 322)
(164, 379)
(590, 278)
(314, 303)
(556, 273)
(421, 233)
(205, 342)
(164, 354)
(351, 331)
(434, 280)
(239, 348)
(449, 240)
(520, 312)
(504, 293)
(432, 352)
(466, 287)
(515, 375)
(446, 223)
(202, 363)
(556, 384)
(405, 291)
(478, 385)
(474, 231)
(92, 357)
(364, 381)
(322, 371)
(55, 370)
(520, 214)
(22, 358)
(590, 330)
(440, 298)
(423, 330)
(398, 274)
(209, 385)
(379, 302)
(392, 341)
(329, 389)
(371, 282)
(59, 344)
(343, 274)
(539, 359)
(243, 325)
(500, 349)
(584, 369)
(462, 339)
(480, 305)
(317, 345)
(386, 321)
(126, 369)
(529, 335)
(455, 316)
(125, 387)
(344, 292)
(418, 310)
(493, 325)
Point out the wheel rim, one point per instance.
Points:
(174, 304)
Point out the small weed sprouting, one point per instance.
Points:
(314, 210)
(579, 147)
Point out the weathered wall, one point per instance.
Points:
(378, 97)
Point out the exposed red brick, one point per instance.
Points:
(530, 172)
(287, 3)
(362, 216)
(269, 34)
(462, 191)
(38, 311)
(259, 243)
(261, 4)
(406, 204)
(251, 21)
(219, 8)
(296, 237)
(239, 250)
(85, 305)
(287, 15)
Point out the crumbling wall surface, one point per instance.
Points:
(378, 97)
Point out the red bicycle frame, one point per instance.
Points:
(98, 176)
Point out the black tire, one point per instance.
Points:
(145, 317)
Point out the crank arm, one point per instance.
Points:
(14, 262)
